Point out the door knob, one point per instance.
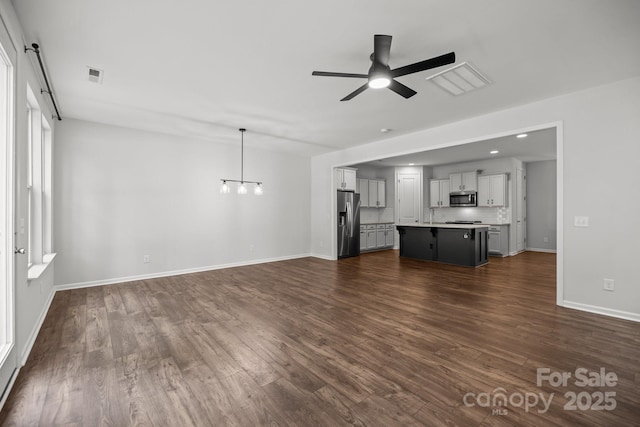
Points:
(21, 251)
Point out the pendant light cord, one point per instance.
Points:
(242, 130)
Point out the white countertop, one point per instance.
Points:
(377, 222)
(441, 225)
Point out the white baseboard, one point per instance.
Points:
(327, 257)
(551, 251)
(36, 330)
(173, 273)
(7, 390)
(635, 317)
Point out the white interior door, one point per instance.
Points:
(520, 211)
(8, 360)
(409, 201)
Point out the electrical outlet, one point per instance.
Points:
(545, 239)
(251, 248)
(146, 259)
(581, 221)
(608, 285)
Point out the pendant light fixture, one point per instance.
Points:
(242, 184)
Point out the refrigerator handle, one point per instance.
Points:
(349, 220)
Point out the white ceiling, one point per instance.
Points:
(205, 68)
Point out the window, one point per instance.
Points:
(38, 187)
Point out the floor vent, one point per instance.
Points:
(95, 75)
(460, 79)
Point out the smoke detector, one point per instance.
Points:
(95, 75)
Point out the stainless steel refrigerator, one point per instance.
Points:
(348, 224)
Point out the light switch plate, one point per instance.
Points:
(581, 221)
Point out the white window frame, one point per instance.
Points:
(39, 188)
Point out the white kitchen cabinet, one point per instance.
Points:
(390, 235)
(345, 179)
(373, 193)
(492, 190)
(363, 189)
(439, 193)
(377, 193)
(363, 237)
(465, 181)
(381, 236)
(372, 236)
(498, 240)
(376, 236)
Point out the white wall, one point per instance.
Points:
(122, 194)
(541, 205)
(600, 130)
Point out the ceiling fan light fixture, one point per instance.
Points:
(379, 81)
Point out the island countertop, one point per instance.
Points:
(442, 225)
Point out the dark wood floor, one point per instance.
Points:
(374, 340)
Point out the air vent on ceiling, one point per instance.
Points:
(460, 79)
(95, 75)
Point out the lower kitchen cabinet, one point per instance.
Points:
(371, 237)
(381, 238)
(390, 234)
(376, 237)
(499, 240)
(419, 243)
(363, 238)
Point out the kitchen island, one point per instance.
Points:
(459, 244)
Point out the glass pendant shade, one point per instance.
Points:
(258, 190)
(242, 188)
(224, 188)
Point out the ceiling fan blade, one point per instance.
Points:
(331, 74)
(438, 61)
(401, 89)
(381, 49)
(356, 92)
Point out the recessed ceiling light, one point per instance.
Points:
(411, 164)
(521, 135)
(385, 130)
(494, 152)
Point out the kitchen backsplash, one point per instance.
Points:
(372, 215)
(486, 215)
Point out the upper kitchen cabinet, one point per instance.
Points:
(492, 190)
(439, 193)
(363, 189)
(345, 179)
(373, 193)
(466, 181)
(377, 193)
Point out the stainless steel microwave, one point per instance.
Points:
(463, 199)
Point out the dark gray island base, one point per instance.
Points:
(452, 244)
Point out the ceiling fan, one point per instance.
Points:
(380, 75)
